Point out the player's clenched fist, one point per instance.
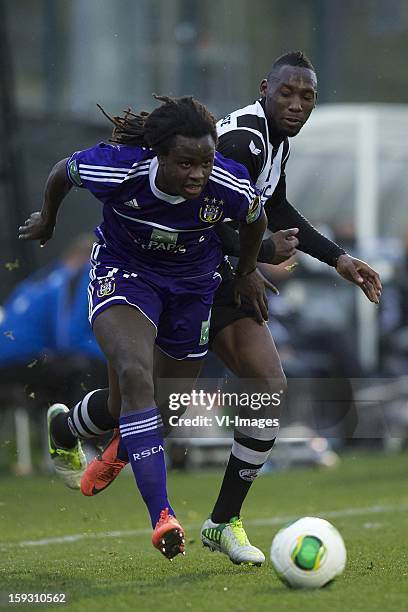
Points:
(251, 288)
(285, 242)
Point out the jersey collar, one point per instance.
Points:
(271, 131)
(171, 199)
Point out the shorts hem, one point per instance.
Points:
(190, 356)
(117, 300)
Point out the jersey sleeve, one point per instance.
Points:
(241, 199)
(244, 207)
(244, 147)
(102, 169)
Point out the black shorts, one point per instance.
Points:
(224, 312)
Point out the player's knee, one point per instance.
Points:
(272, 381)
(267, 376)
(281, 382)
(135, 382)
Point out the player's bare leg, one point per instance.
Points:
(170, 376)
(127, 338)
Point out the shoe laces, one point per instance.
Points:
(238, 531)
(72, 456)
(164, 515)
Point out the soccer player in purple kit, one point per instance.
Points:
(153, 274)
(256, 136)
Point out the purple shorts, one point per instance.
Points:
(179, 308)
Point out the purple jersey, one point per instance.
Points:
(145, 227)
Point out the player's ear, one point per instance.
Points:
(263, 87)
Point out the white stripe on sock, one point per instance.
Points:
(77, 423)
(139, 431)
(150, 421)
(86, 418)
(248, 455)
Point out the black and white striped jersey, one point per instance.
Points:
(244, 136)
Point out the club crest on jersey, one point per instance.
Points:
(106, 287)
(212, 210)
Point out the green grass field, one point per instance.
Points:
(366, 497)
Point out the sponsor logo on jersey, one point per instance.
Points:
(249, 474)
(253, 211)
(160, 240)
(160, 243)
(74, 172)
(212, 210)
(253, 148)
(148, 452)
(106, 287)
(164, 237)
(132, 203)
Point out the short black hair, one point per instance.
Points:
(292, 58)
(184, 116)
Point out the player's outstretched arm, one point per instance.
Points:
(40, 225)
(250, 285)
(362, 275)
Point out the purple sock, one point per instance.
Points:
(142, 434)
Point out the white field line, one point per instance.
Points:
(277, 520)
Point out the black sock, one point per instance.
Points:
(239, 476)
(61, 433)
(88, 419)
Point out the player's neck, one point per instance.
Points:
(161, 184)
(275, 137)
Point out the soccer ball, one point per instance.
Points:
(308, 553)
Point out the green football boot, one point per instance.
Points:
(69, 463)
(231, 539)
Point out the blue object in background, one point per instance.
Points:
(48, 313)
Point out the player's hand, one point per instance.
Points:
(360, 273)
(251, 288)
(285, 244)
(36, 228)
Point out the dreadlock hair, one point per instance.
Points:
(184, 116)
(293, 58)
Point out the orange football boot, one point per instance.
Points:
(103, 470)
(168, 535)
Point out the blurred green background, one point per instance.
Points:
(60, 58)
